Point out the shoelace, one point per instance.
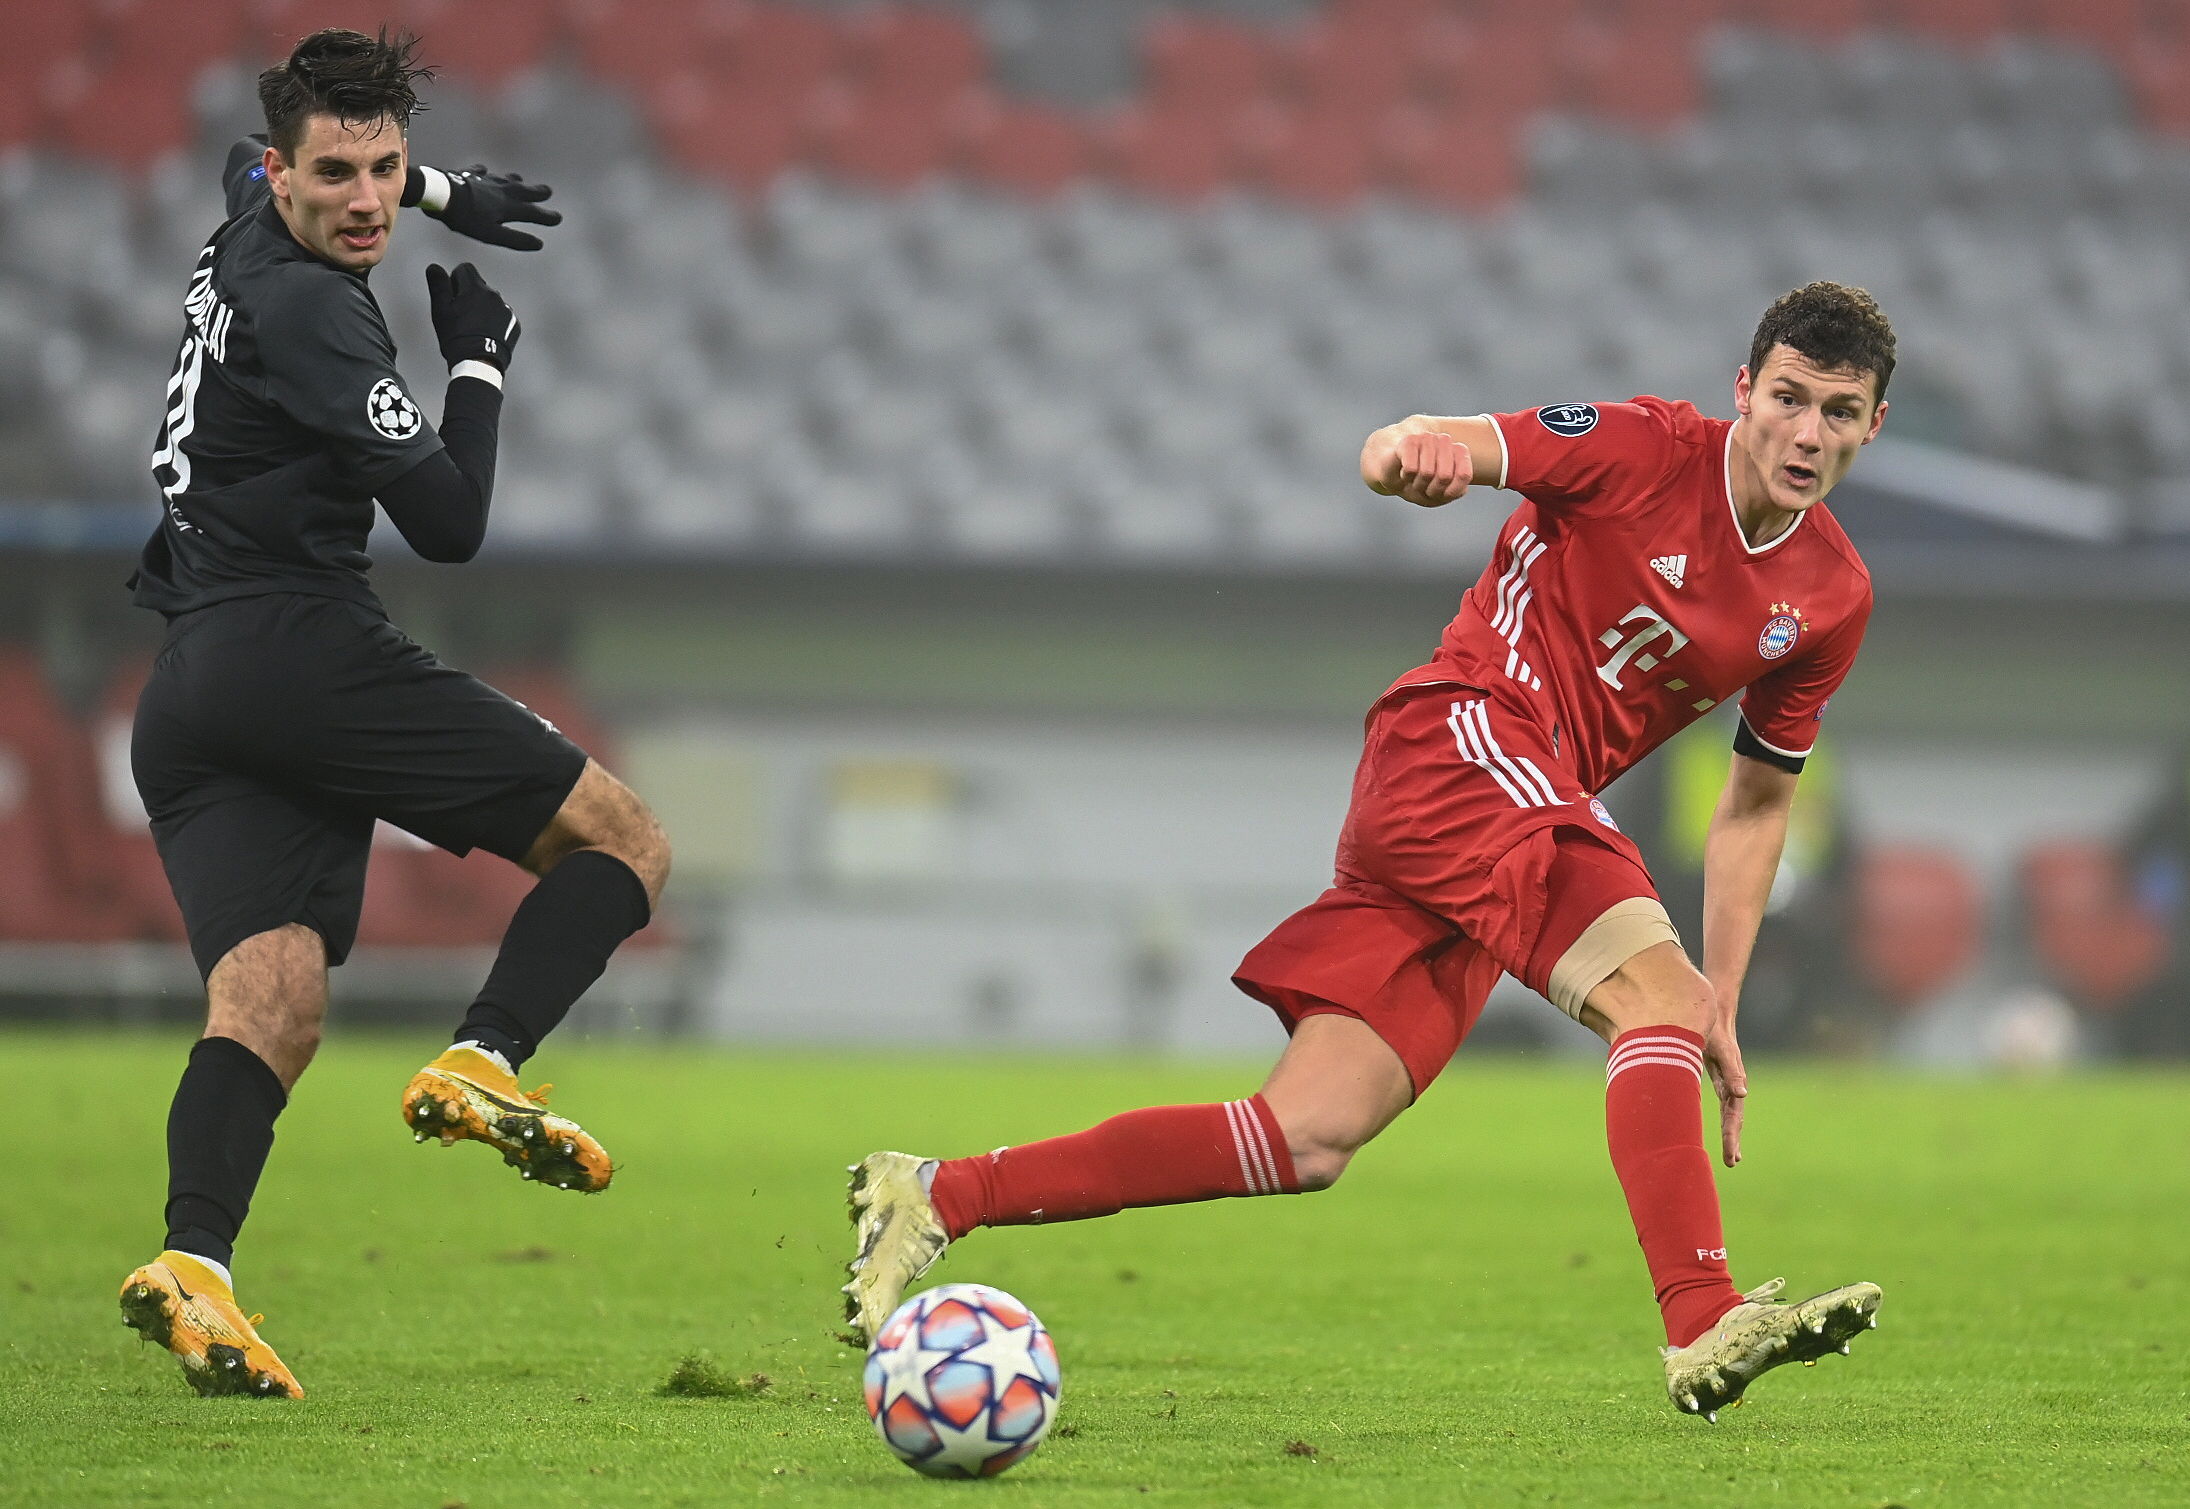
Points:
(539, 1095)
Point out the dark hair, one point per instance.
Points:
(1842, 329)
(346, 74)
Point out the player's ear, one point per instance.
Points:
(1878, 419)
(1743, 387)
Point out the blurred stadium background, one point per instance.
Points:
(929, 476)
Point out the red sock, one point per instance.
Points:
(1165, 1155)
(1655, 1128)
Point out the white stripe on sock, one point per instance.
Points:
(1266, 1160)
(1239, 1145)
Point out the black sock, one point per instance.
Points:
(219, 1131)
(556, 946)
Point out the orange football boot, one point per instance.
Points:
(466, 1096)
(179, 1302)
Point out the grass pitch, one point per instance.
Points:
(1464, 1320)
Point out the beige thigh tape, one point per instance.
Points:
(1624, 931)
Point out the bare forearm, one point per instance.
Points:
(1740, 860)
(1381, 466)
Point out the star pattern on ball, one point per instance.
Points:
(1007, 1351)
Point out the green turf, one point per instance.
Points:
(1464, 1320)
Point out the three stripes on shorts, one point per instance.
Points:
(1519, 776)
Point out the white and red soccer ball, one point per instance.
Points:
(962, 1381)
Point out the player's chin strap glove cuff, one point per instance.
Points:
(474, 324)
(482, 205)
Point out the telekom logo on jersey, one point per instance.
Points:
(1655, 627)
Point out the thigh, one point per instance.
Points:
(244, 858)
(330, 701)
(1462, 808)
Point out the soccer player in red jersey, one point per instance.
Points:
(1659, 564)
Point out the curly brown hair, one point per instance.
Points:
(1842, 329)
(346, 74)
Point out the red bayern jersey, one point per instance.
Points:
(1624, 602)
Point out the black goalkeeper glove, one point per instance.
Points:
(481, 205)
(471, 320)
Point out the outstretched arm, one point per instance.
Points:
(1430, 461)
(1740, 860)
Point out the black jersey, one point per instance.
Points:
(285, 415)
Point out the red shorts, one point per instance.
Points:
(1469, 852)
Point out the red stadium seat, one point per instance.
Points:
(879, 140)
(1197, 63)
(42, 40)
(636, 42)
(1179, 155)
(1350, 66)
(276, 27)
(1966, 23)
(1919, 921)
(140, 881)
(130, 117)
(1640, 72)
(787, 51)
(743, 140)
(482, 41)
(2085, 926)
(1395, 15)
(57, 881)
(1457, 159)
(1502, 65)
(178, 36)
(2115, 27)
(911, 54)
(2159, 78)
(1323, 158)
(1034, 150)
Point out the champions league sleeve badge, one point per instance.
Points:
(1781, 631)
(1573, 420)
(391, 411)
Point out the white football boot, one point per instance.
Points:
(1758, 1335)
(900, 1236)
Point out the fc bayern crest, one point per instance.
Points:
(1573, 420)
(1597, 811)
(1779, 636)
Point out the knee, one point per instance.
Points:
(1317, 1165)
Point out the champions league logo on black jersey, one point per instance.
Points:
(391, 411)
(1573, 420)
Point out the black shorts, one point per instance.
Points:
(275, 729)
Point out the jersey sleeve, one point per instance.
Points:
(331, 367)
(1568, 455)
(243, 179)
(1781, 711)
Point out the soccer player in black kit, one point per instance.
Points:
(285, 713)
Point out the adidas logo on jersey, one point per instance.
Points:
(1671, 567)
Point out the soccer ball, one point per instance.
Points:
(962, 1382)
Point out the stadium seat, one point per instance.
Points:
(42, 40)
(1032, 150)
(1640, 72)
(1199, 63)
(130, 116)
(140, 881)
(881, 141)
(1456, 160)
(636, 42)
(743, 140)
(483, 41)
(57, 880)
(174, 36)
(273, 28)
(2158, 71)
(1336, 65)
(2085, 926)
(1323, 157)
(915, 54)
(1182, 156)
(1919, 921)
(1965, 23)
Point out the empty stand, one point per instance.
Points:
(2085, 926)
(1919, 921)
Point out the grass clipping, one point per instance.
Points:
(703, 1378)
